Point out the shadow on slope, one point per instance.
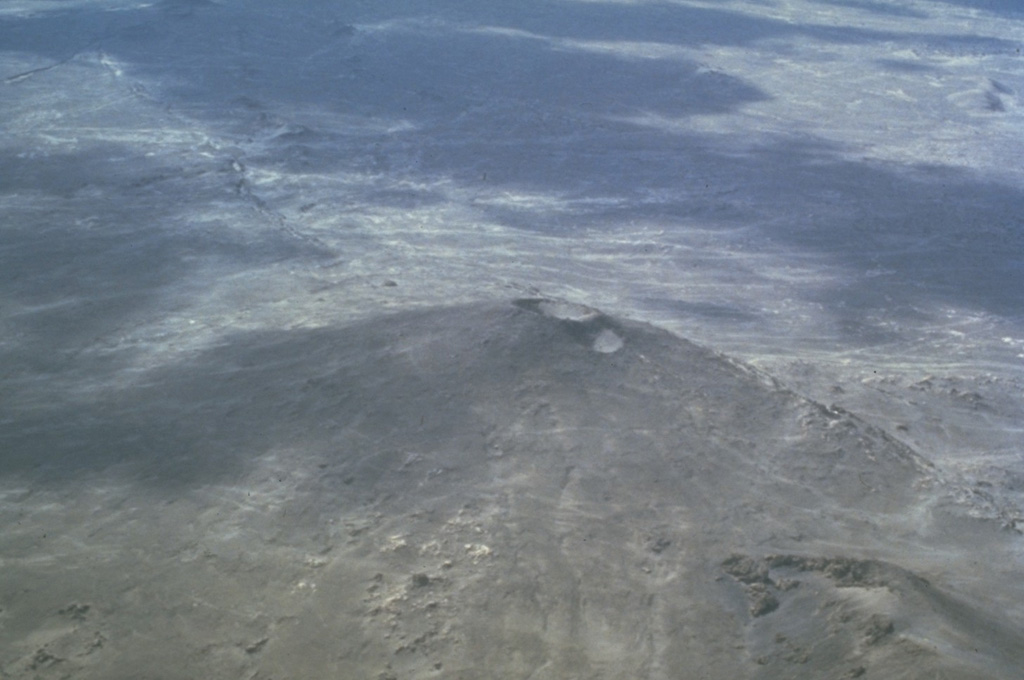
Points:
(496, 488)
(477, 382)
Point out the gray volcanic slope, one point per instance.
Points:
(526, 490)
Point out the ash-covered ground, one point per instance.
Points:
(303, 373)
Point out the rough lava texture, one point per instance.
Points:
(302, 373)
(491, 491)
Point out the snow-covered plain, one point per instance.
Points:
(830, 191)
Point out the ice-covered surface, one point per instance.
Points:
(831, 191)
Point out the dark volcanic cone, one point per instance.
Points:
(527, 490)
